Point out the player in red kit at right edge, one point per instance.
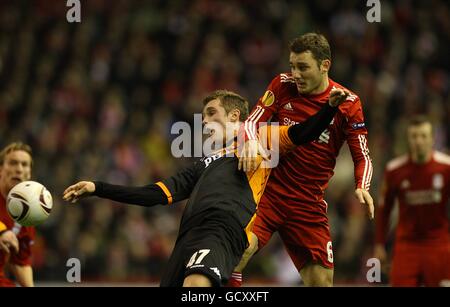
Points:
(420, 182)
(293, 202)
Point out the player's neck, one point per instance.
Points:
(421, 159)
(323, 86)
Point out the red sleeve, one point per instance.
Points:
(357, 141)
(26, 239)
(267, 105)
(384, 209)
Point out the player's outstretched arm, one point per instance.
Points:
(148, 195)
(311, 129)
(172, 189)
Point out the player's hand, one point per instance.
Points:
(248, 159)
(337, 96)
(78, 190)
(380, 253)
(365, 199)
(9, 240)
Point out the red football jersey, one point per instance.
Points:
(303, 174)
(422, 192)
(25, 235)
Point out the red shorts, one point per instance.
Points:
(416, 264)
(303, 228)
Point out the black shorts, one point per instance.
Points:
(213, 249)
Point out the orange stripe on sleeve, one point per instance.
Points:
(3, 226)
(166, 191)
(285, 141)
(276, 137)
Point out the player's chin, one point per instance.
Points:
(13, 182)
(302, 89)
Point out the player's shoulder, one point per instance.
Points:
(282, 87)
(286, 77)
(284, 81)
(397, 163)
(441, 158)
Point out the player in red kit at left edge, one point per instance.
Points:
(15, 240)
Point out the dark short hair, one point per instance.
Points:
(316, 43)
(229, 101)
(15, 147)
(418, 120)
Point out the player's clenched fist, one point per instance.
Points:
(338, 96)
(80, 189)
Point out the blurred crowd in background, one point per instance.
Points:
(97, 99)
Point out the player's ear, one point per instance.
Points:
(234, 115)
(325, 66)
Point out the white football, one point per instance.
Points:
(29, 203)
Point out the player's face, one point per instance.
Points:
(217, 122)
(308, 74)
(15, 169)
(420, 139)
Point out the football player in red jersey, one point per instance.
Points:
(16, 240)
(420, 182)
(293, 202)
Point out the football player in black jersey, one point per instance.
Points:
(217, 219)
